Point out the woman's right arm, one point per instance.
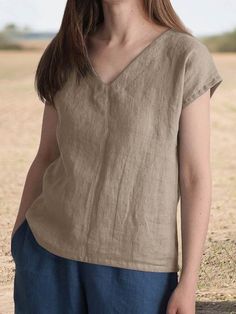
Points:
(47, 152)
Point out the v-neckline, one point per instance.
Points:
(119, 76)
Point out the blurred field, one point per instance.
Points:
(20, 126)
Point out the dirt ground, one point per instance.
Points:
(20, 125)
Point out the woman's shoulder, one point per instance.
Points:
(187, 43)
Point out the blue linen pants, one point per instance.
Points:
(45, 283)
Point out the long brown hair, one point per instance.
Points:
(67, 49)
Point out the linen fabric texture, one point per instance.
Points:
(111, 196)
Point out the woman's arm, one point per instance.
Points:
(195, 190)
(195, 185)
(47, 152)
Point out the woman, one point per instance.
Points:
(96, 228)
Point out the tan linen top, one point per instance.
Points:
(111, 196)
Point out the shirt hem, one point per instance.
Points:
(103, 261)
(212, 85)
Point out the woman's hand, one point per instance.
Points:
(182, 300)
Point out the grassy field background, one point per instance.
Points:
(20, 126)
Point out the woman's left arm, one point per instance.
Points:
(195, 201)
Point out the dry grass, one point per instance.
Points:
(20, 124)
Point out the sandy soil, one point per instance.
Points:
(20, 125)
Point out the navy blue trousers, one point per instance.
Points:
(45, 283)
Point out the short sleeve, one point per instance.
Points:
(200, 74)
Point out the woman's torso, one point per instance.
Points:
(111, 196)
